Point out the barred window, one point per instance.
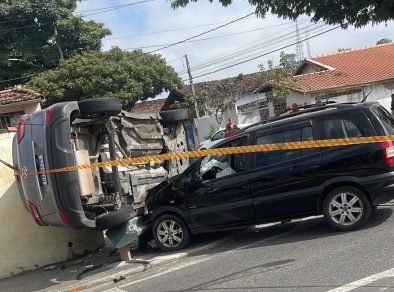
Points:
(9, 120)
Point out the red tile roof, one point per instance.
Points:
(148, 106)
(350, 68)
(18, 95)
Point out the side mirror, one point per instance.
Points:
(197, 179)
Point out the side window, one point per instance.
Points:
(386, 118)
(339, 128)
(307, 135)
(219, 135)
(216, 166)
(273, 157)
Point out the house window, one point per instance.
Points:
(9, 120)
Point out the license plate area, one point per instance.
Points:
(40, 166)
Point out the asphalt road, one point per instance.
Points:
(302, 256)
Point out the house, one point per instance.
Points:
(148, 106)
(239, 89)
(346, 76)
(14, 103)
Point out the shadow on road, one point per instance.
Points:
(307, 230)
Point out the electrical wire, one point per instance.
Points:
(264, 54)
(203, 33)
(80, 13)
(246, 49)
(163, 31)
(209, 38)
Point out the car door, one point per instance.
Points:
(221, 197)
(286, 182)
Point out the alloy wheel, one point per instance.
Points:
(170, 233)
(346, 208)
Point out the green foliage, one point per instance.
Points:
(187, 102)
(354, 12)
(212, 129)
(37, 34)
(384, 41)
(279, 75)
(130, 76)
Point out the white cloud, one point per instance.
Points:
(159, 16)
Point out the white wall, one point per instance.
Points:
(381, 93)
(23, 244)
(298, 98)
(27, 108)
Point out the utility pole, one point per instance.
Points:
(189, 72)
(308, 46)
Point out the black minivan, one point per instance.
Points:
(227, 191)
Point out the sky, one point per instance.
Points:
(148, 24)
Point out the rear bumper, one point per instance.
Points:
(60, 154)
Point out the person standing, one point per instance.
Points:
(392, 104)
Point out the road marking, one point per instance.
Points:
(296, 229)
(161, 273)
(365, 281)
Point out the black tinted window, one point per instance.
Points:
(272, 157)
(386, 118)
(339, 128)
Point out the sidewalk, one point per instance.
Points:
(97, 268)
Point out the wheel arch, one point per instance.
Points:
(345, 183)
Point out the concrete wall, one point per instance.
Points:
(27, 108)
(202, 124)
(23, 244)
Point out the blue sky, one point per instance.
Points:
(157, 16)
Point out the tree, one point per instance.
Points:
(354, 12)
(291, 60)
(130, 76)
(278, 76)
(384, 41)
(36, 35)
(215, 97)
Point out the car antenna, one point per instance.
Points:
(365, 98)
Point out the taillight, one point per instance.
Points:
(48, 116)
(34, 213)
(20, 128)
(64, 217)
(388, 152)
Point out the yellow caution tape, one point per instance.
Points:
(220, 151)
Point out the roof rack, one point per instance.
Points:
(304, 110)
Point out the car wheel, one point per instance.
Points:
(346, 208)
(115, 218)
(94, 107)
(170, 233)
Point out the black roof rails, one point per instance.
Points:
(304, 110)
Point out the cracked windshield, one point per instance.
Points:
(190, 145)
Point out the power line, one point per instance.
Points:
(210, 38)
(250, 55)
(269, 46)
(264, 54)
(246, 49)
(18, 78)
(163, 31)
(80, 13)
(200, 34)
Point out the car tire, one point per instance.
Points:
(115, 218)
(178, 234)
(94, 107)
(346, 208)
